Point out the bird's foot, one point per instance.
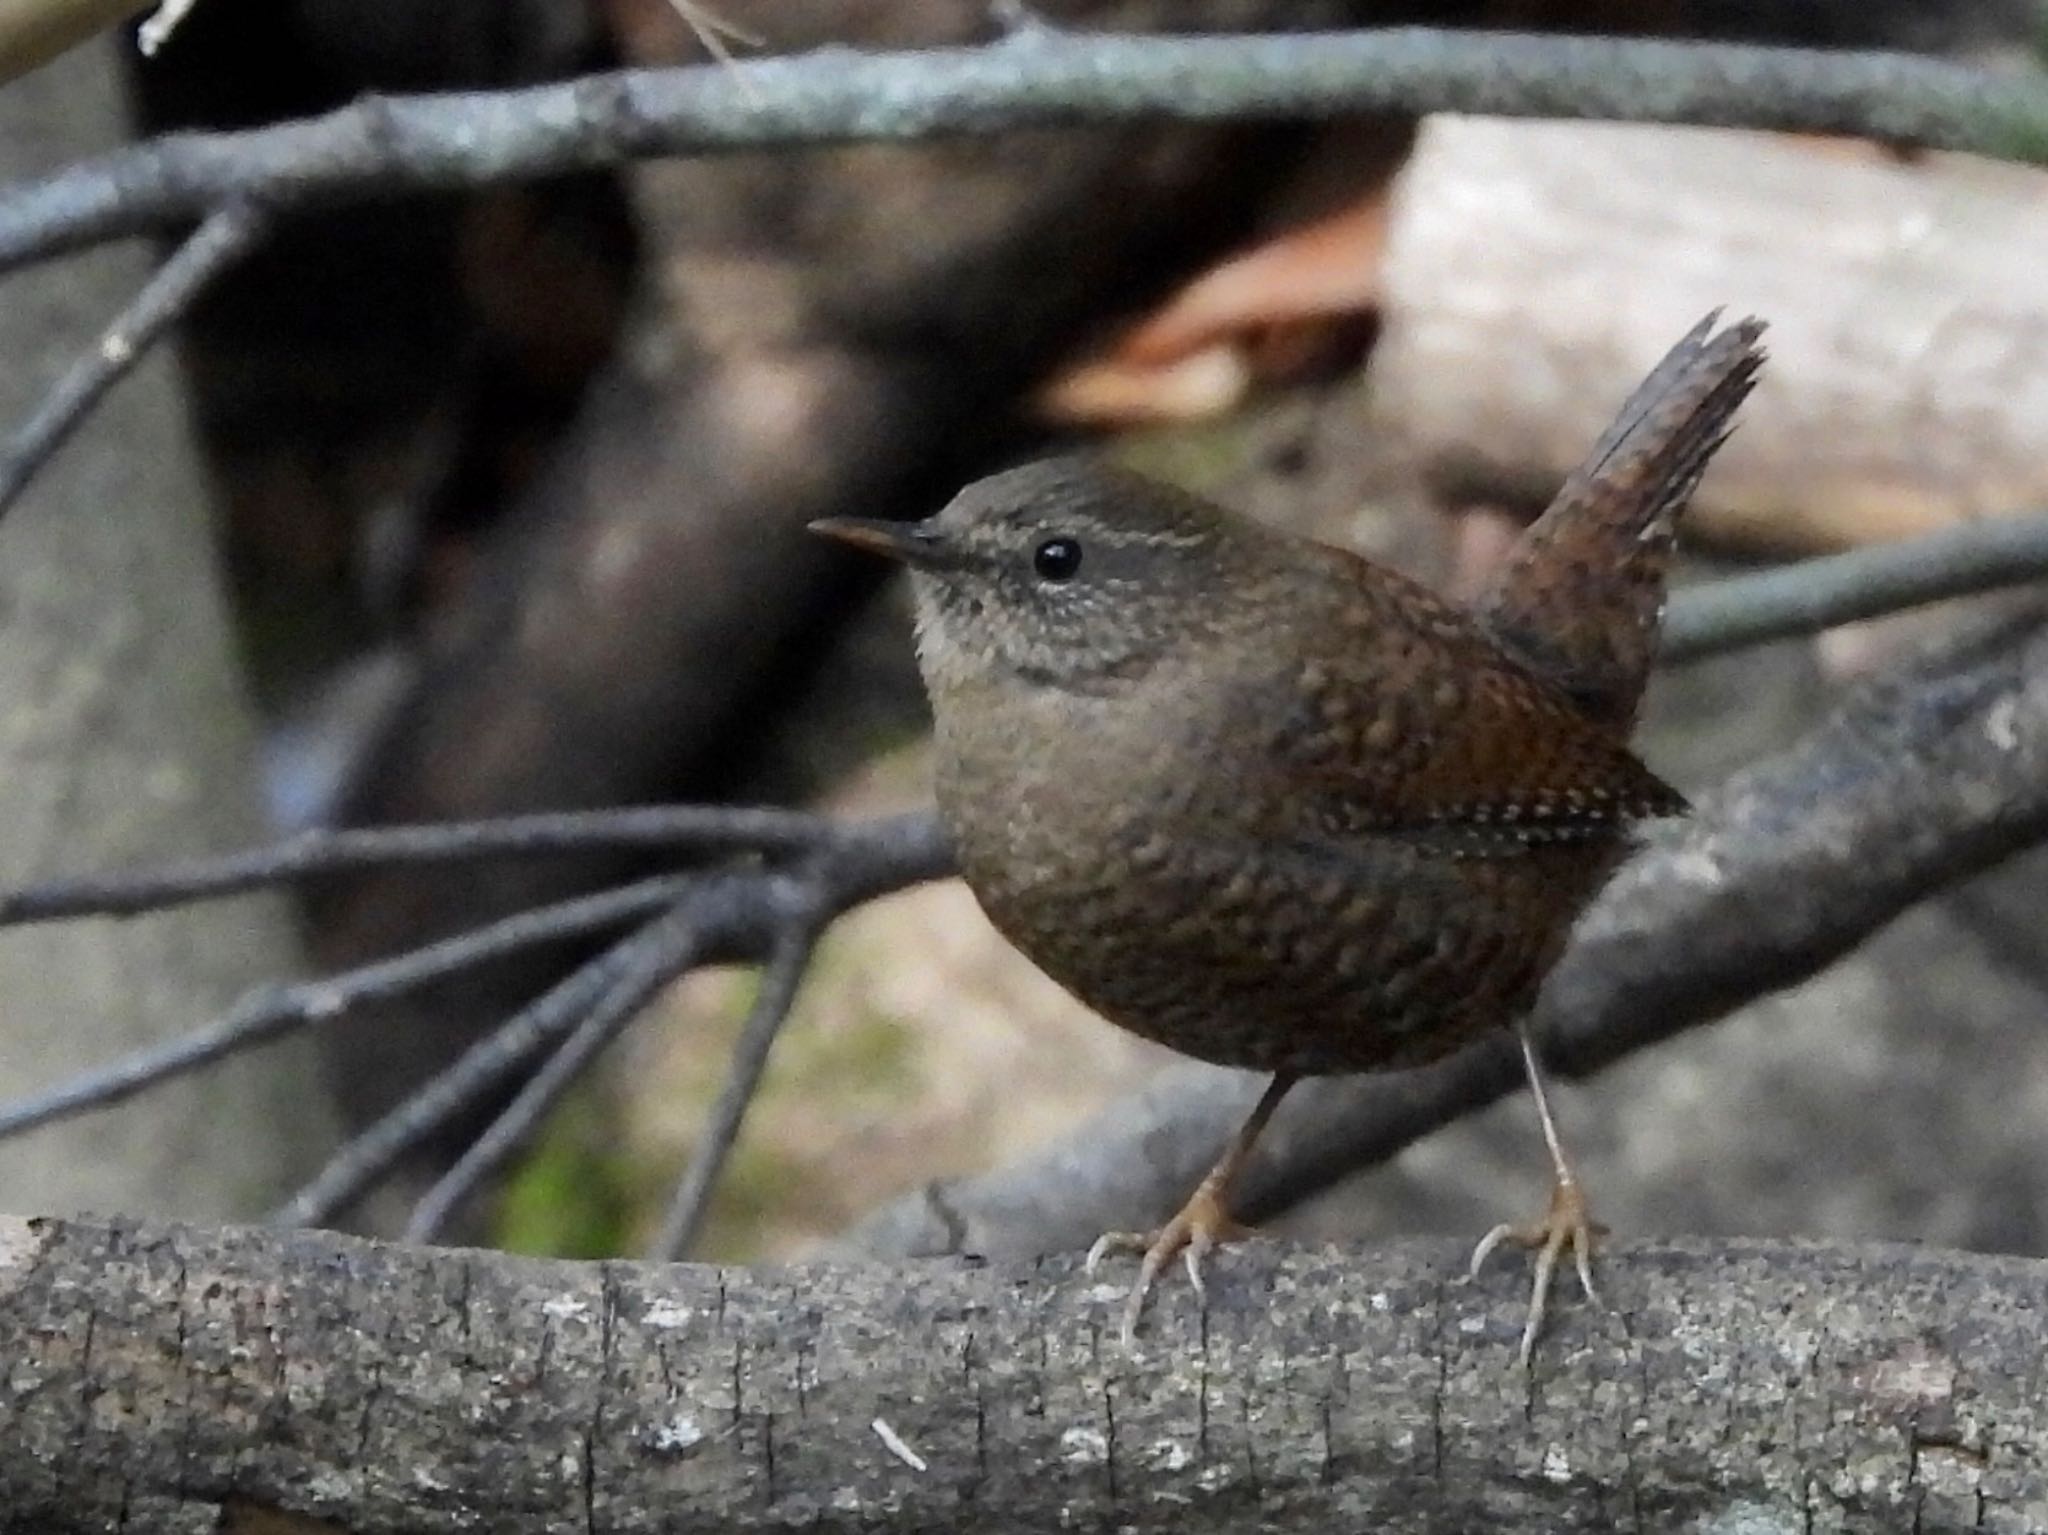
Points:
(1566, 1226)
(1202, 1225)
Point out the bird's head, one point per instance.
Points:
(1065, 573)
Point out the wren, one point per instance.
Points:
(1278, 807)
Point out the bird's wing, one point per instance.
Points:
(1405, 718)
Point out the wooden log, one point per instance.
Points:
(169, 1378)
(1534, 270)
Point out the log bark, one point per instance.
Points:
(175, 1378)
(1903, 391)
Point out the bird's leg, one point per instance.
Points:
(1567, 1224)
(1203, 1223)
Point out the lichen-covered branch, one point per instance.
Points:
(1809, 596)
(164, 1378)
(1037, 77)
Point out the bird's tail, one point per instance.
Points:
(1581, 595)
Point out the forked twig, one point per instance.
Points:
(654, 957)
(270, 1012)
(727, 914)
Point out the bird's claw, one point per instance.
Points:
(1201, 1226)
(1566, 1225)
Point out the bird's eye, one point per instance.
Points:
(1057, 559)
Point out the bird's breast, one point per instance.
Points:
(1104, 853)
(1044, 794)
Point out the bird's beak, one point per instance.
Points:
(910, 542)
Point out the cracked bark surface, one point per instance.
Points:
(177, 1378)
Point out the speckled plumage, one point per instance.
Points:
(1276, 806)
(1327, 826)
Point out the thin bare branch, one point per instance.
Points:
(660, 953)
(780, 978)
(1811, 595)
(687, 828)
(873, 858)
(367, 1157)
(272, 1011)
(224, 239)
(1034, 79)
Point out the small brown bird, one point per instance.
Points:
(1277, 807)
